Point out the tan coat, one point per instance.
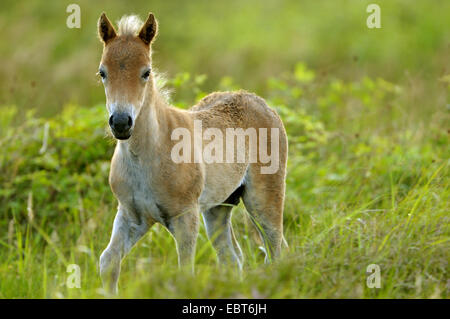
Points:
(151, 187)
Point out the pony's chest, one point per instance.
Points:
(130, 183)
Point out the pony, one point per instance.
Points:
(151, 187)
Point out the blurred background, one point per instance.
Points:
(46, 64)
(367, 112)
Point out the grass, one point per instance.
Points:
(352, 200)
(368, 169)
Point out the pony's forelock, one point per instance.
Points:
(129, 25)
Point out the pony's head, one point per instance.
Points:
(125, 69)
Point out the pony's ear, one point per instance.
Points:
(149, 29)
(106, 30)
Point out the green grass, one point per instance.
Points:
(366, 111)
(373, 190)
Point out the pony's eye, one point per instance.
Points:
(146, 75)
(102, 74)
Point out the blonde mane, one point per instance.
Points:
(160, 84)
(129, 25)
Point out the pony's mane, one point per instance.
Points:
(129, 25)
(160, 83)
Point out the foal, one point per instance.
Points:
(153, 188)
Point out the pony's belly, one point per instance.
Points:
(220, 182)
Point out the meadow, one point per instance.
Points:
(367, 115)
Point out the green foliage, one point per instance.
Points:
(365, 185)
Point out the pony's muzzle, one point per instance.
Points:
(121, 124)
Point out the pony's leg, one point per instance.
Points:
(184, 228)
(263, 198)
(220, 232)
(125, 234)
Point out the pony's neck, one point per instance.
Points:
(148, 133)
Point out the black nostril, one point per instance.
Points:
(120, 122)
